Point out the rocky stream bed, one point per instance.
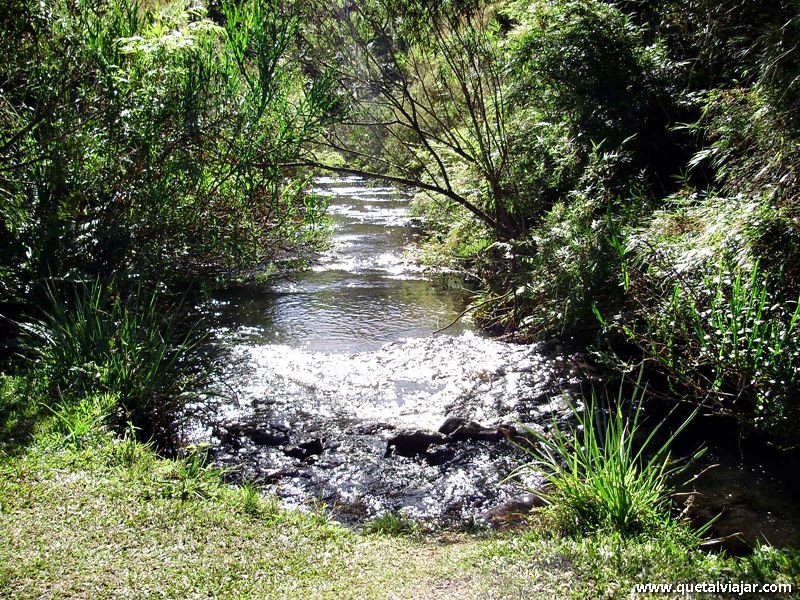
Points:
(335, 388)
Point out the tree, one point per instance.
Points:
(152, 142)
(425, 78)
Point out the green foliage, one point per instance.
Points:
(18, 411)
(392, 523)
(131, 347)
(568, 263)
(452, 235)
(607, 565)
(81, 421)
(253, 502)
(546, 161)
(608, 472)
(192, 478)
(421, 86)
(130, 452)
(665, 131)
(769, 564)
(750, 146)
(586, 62)
(730, 41)
(151, 140)
(581, 85)
(730, 338)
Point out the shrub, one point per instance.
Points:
(731, 338)
(151, 140)
(586, 62)
(548, 281)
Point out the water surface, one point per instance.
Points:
(345, 354)
(359, 294)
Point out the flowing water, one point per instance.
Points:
(321, 369)
(345, 354)
(360, 294)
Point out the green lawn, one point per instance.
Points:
(104, 517)
(107, 521)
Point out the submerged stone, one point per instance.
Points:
(458, 428)
(511, 512)
(413, 443)
(305, 450)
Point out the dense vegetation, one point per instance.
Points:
(143, 151)
(150, 142)
(623, 170)
(618, 173)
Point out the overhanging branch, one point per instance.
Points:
(483, 216)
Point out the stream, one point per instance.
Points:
(343, 357)
(328, 375)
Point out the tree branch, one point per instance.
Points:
(483, 216)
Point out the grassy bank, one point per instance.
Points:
(101, 515)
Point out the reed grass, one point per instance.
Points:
(97, 340)
(733, 339)
(608, 471)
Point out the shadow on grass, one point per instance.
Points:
(19, 413)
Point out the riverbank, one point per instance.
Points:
(96, 515)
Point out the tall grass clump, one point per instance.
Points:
(608, 472)
(17, 413)
(80, 421)
(730, 337)
(392, 523)
(132, 346)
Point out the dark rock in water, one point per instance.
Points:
(413, 443)
(512, 512)
(233, 433)
(516, 437)
(439, 456)
(267, 438)
(305, 450)
(369, 428)
(451, 424)
(459, 428)
(735, 525)
(276, 476)
(228, 435)
(280, 425)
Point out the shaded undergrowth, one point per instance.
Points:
(105, 352)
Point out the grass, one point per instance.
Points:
(607, 566)
(78, 421)
(18, 414)
(85, 523)
(129, 347)
(96, 514)
(606, 472)
(392, 523)
(729, 338)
